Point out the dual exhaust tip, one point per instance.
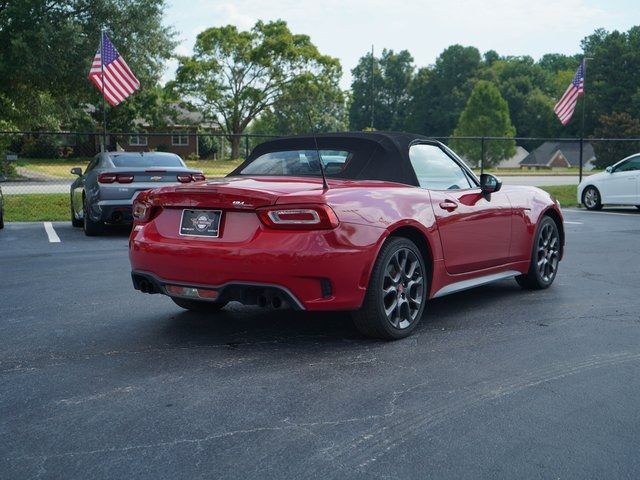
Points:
(146, 286)
(273, 300)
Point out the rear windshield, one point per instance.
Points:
(146, 161)
(296, 163)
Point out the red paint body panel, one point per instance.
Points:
(481, 236)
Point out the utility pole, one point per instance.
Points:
(372, 88)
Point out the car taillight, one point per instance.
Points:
(190, 177)
(314, 217)
(142, 211)
(115, 177)
(125, 178)
(107, 177)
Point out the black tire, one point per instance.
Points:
(91, 228)
(591, 198)
(396, 313)
(74, 221)
(199, 305)
(1, 219)
(545, 257)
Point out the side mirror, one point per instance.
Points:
(489, 183)
(609, 169)
(76, 171)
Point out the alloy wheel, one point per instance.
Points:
(591, 198)
(402, 288)
(548, 253)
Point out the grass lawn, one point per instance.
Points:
(36, 207)
(60, 167)
(566, 194)
(39, 207)
(214, 168)
(533, 173)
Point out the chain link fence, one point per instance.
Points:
(35, 166)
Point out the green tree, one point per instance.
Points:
(235, 75)
(616, 125)
(486, 114)
(46, 49)
(527, 87)
(310, 103)
(613, 74)
(443, 92)
(392, 75)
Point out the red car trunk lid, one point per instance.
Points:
(232, 193)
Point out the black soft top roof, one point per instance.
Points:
(376, 155)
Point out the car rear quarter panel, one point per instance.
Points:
(529, 204)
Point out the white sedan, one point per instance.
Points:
(618, 185)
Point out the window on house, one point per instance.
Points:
(179, 138)
(138, 140)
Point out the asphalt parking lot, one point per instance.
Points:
(100, 381)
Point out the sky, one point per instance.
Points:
(348, 29)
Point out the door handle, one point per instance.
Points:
(448, 205)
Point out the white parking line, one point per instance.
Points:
(573, 223)
(51, 233)
(631, 212)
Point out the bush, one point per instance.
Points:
(43, 146)
(7, 169)
(207, 146)
(616, 125)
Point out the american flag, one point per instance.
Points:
(567, 104)
(119, 80)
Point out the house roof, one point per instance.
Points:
(181, 116)
(545, 153)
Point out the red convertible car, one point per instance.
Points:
(376, 223)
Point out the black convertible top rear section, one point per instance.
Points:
(376, 155)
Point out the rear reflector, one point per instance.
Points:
(180, 291)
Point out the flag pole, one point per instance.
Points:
(584, 100)
(104, 103)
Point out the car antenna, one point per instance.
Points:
(325, 185)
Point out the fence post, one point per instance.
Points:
(222, 148)
(481, 155)
(581, 148)
(246, 147)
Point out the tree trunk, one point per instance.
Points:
(235, 146)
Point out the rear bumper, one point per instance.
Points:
(245, 293)
(318, 270)
(111, 211)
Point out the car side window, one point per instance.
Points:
(630, 165)
(436, 170)
(92, 164)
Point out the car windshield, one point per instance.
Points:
(293, 163)
(146, 161)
